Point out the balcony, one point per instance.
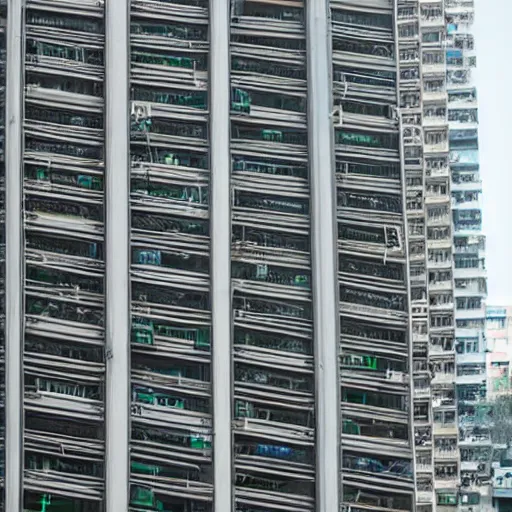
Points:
(472, 466)
(424, 468)
(470, 379)
(475, 440)
(469, 314)
(445, 429)
(443, 402)
(469, 273)
(439, 264)
(457, 125)
(443, 378)
(437, 199)
(422, 392)
(440, 220)
(463, 103)
(432, 21)
(441, 306)
(433, 69)
(419, 338)
(406, 16)
(442, 329)
(472, 245)
(417, 279)
(459, 6)
(501, 484)
(446, 483)
(446, 454)
(472, 358)
(417, 256)
(469, 332)
(434, 122)
(424, 497)
(440, 147)
(472, 230)
(482, 489)
(467, 421)
(436, 350)
(472, 186)
(439, 286)
(434, 96)
(442, 172)
(475, 289)
(439, 243)
(466, 205)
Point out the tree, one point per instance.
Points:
(501, 422)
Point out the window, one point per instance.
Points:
(409, 30)
(469, 303)
(469, 392)
(438, 163)
(407, 12)
(438, 233)
(439, 256)
(470, 324)
(441, 343)
(465, 95)
(409, 55)
(438, 213)
(463, 115)
(431, 37)
(431, 13)
(496, 323)
(432, 138)
(447, 499)
(421, 412)
(444, 417)
(467, 346)
(363, 19)
(434, 85)
(430, 58)
(470, 369)
(441, 321)
(462, 261)
(472, 498)
(439, 277)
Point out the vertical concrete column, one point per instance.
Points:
(220, 230)
(117, 233)
(324, 255)
(14, 259)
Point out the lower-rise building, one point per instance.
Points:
(499, 363)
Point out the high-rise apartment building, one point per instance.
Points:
(469, 252)
(429, 223)
(229, 256)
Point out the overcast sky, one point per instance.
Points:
(493, 34)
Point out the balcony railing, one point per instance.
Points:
(422, 392)
(446, 454)
(424, 496)
(445, 428)
(443, 378)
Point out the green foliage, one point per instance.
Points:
(501, 424)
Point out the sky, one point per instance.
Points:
(493, 39)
